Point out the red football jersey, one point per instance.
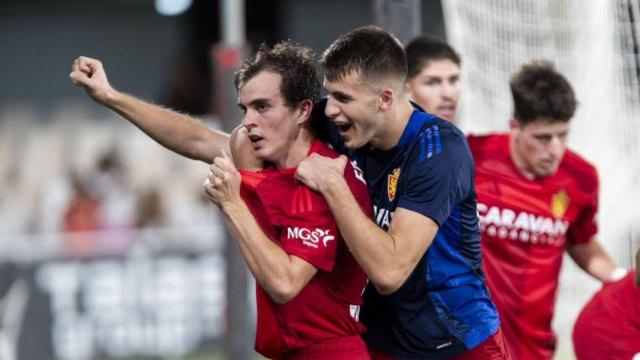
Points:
(609, 325)
(526, 226)
(301, 221)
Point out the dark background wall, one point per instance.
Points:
(160, 58)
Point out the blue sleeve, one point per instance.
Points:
(440, 175)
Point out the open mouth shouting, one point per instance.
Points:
(256, 141)
(343, 127)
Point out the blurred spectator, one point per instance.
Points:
(14, 212)
(150, 221)
(81, 219)
(117, 201)
(150, 210)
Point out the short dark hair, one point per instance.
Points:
(369, 51)
(293, 62)
(423, 49)
(539, 90)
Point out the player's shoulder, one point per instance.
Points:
(437, 138)
(579, 168)
(486, 144)
(352, 173)
(444, 128)
(325, 149)
(578, 162)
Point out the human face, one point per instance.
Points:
(437, 88)
(538, 147)
(271, 125)
(354, 107)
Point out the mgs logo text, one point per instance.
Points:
(311, 238)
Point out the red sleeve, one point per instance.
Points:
(358, 185)
(585, 226)
(311, 232)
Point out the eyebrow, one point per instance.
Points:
(341, 96)
(254, 103)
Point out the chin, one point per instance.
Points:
(546, 172)
(353, 143)
(262, 155)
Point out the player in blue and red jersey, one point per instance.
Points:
(426, 298)
(609, 325)
(536, 199)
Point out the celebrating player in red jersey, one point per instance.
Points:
(310, 286)
(285, 231)
(535, 199)
(609, 325)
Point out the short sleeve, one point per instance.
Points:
(358, 185)
(310, 232)
(586, 226)
(440, 175)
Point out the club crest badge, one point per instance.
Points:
(392, 183)
(559, 203)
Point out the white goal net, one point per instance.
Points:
(595, 44)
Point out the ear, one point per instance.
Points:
(513, 124)
(303, 111)
(386, 98)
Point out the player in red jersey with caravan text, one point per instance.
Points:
(536, 199)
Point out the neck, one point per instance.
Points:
(298, 150)
(395, 120)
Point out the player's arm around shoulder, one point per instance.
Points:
(281, 275)
(178, 132)
(386, 257)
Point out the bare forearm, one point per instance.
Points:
(592, 258)
(177, 132)
(268, 263)
(373, 248)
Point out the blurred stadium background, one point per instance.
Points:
(108, 249)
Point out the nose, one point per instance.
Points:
(556, 147)
(448, 90)
(331, 110)
(248, 120)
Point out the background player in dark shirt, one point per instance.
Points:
(433, 78)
